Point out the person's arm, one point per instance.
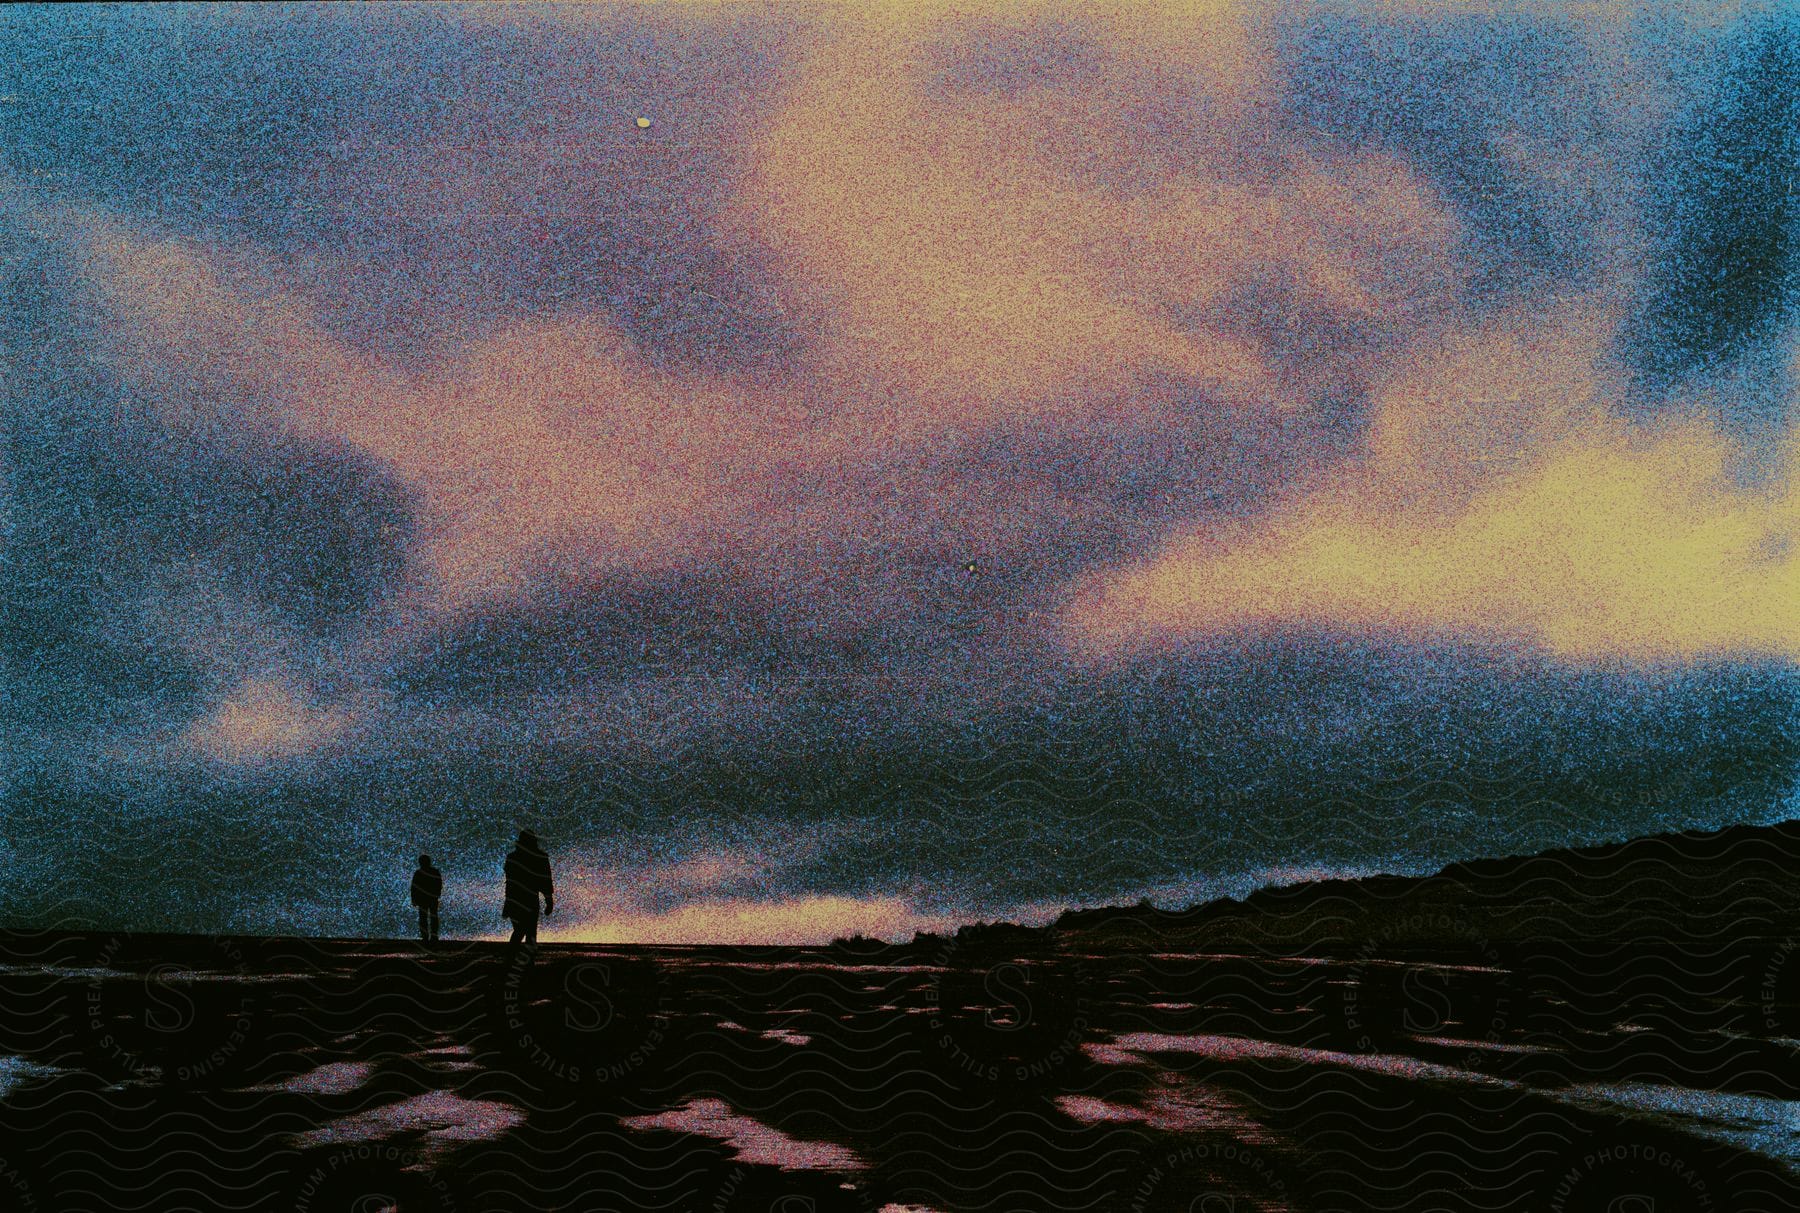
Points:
(549, 895)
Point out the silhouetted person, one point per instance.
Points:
(427, 887)
(527, 875)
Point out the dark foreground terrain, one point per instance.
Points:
(1610, 1030)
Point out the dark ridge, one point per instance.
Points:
(1691, 885)
(1694, 884)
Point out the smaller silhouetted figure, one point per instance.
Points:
(427, 887)
(527, 875)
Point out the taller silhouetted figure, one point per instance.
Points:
(527, 875)
(427, 887)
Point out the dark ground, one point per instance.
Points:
(1017, 1072)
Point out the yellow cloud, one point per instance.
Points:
(1498, 498)
(957, 256)
(265, 719)
(797, 921)
(961, 254)
(991, 251)
(551, 436)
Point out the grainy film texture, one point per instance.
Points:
(981, 607)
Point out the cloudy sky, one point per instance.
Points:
(831, 468)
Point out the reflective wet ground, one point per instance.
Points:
(194, 1074)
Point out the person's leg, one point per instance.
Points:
(434, 924)
(518, 933)
(424, 925)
